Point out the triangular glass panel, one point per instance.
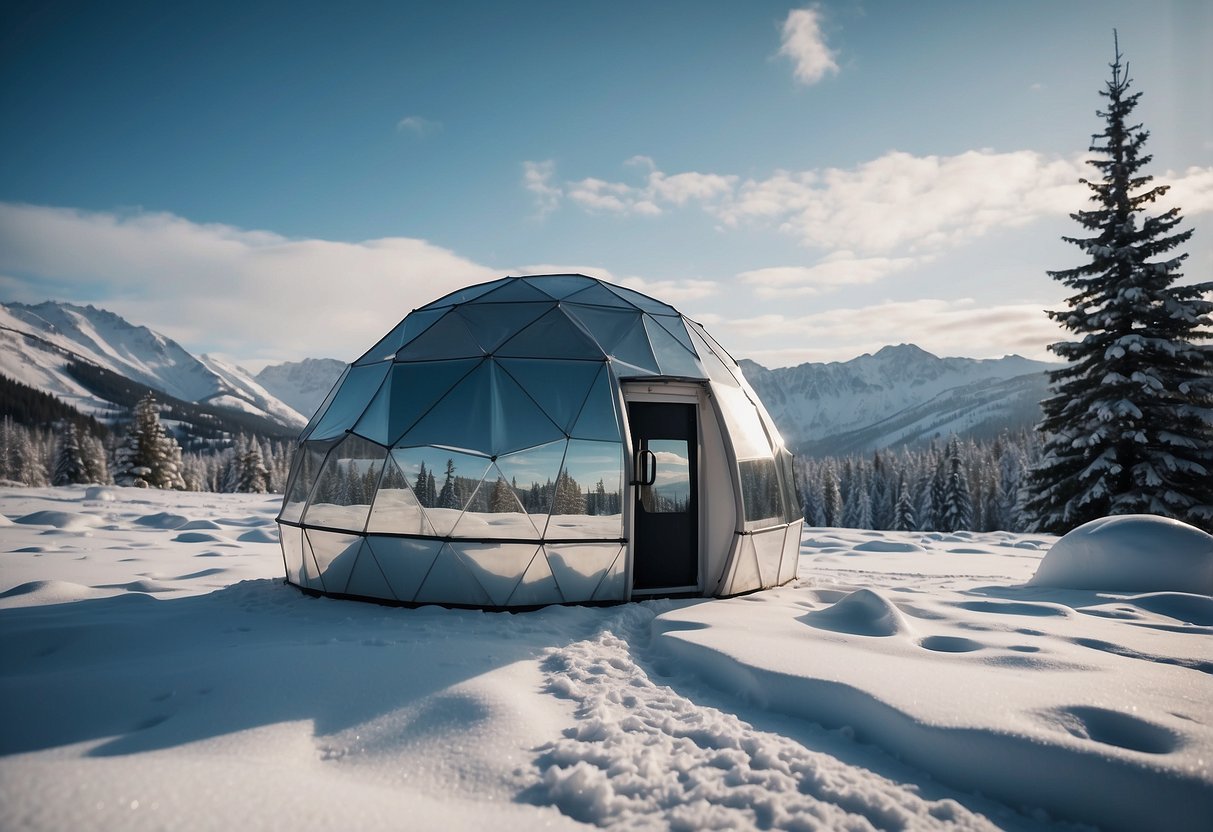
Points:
(493, 323)
(560, 285)
(552, 334)
(559, 387)
(537, 586)
(720, 351)
(404, 562)
(517, 421)
(598, 419)
(444, 339)
(614, 586)
(768, 547)
(587, 501)
(467, 294)
(305, 468)
(346, 486)
(718, 371)
(633, 348)
(450, 582)
(409, 390)
(532, 475)
(497, 567)
(791, 552)
(514, 291)
(311, 571)
(405, 331)
(324, 406)
(335, 555)
(580, 567)
(623, 370)
(644, 301)
(672, 357)
(608, 326)
(675, 327)
(599, 295)
(351, 400)
(366, 578)
(463, 418)
(496, 512)
(451, 480)
(746, 575)
(291, 538)
(396, 508)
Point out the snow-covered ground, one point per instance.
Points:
(155, 672)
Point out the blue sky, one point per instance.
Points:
(271, 181)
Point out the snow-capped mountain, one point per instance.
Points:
(44, 346)
(301, 384)
(901, 394)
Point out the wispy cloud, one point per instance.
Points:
(418, 126)
(804, 43)
(249, 294)
(842, 268)
(537, 178)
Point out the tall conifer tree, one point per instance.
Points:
(1129, 423)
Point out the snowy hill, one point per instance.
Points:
(41, 345)
(301, 384)
(902, 394)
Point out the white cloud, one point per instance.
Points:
(537, 178)
(1191, 191)
(250, 294)
(842, 268)
(804, 43)
(944, 327)
(418, 125)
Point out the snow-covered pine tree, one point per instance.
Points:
(1128, 426)
(69, 460)
(448, 497)
(903, 513)
(148, 456)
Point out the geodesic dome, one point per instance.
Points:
(535, 440)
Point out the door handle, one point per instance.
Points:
(646, 467)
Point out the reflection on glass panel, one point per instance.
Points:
(717, 369)
(497, 567)
(466, 294)
(404, 562)
(346, 486)
(560, 285)
(517, 422)
(745, 428)
(670, 492)
(324, 406)
(607, 326)
(409, 391)
(449, 582)
(462, 418)
(444, 482)
(335, 556)
(405, 331)
(599, 295)
(633, 348)
(587, 496)
(559, 387)
(304, 469)
(598, 419)
(366, 578)
(532, 476)
(512, 292)
(291, 538)
(492, 324)
(675, 327)
(396, 508)
(447, 338)
(787, 482)
(613, 586)
(356, 391)
(768, 546)
(672, 357)
(499, 513)
(760, 493)
(537, 586)
(644, 301)
(552, 334)
(724, 354)
(580, 567)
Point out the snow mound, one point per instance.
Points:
(888, 546)
(194, 525)
(1130, 553)
(862, 613)
(197, 537)
(258, 536)
(66, 520)
(163, 520)
(4, 521)
(100, 493)
(38, 593)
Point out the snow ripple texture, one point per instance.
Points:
(643, 756)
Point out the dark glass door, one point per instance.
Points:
(665, 442)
